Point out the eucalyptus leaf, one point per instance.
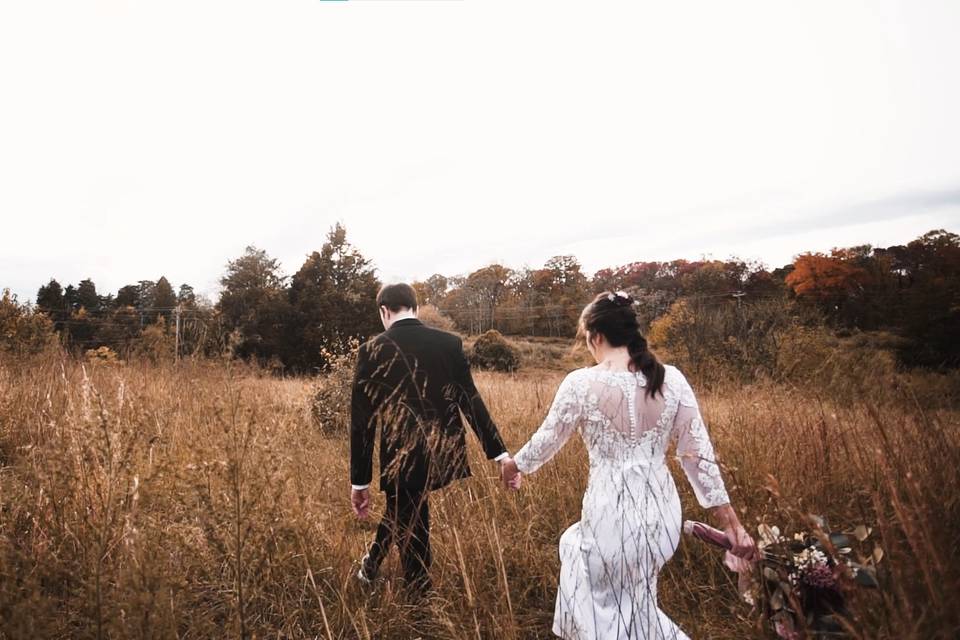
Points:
(839, 540)
(867, 577)
(776, 600)
(827, 623)
(767, 533)
(877, 554)
(862, 532)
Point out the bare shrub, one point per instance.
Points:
(715, 342)
(155, 343)
(555, 354)
(330, 401)
(816, 358)
(432, 317)
(102, 355)
(493, 351)
(23, 329)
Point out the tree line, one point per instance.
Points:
(296, 322)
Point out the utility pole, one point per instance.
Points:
(739, 296)
(176, 313)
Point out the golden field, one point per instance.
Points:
(202, 500)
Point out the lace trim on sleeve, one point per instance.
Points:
(711, 491)
(695, 450)
(562, 420)
(687, 398)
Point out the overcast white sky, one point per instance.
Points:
(140, 139)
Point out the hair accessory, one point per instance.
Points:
(620, 298)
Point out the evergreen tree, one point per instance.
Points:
(164, 299)
(333, 298)
(87, 296)
(145, 293)
(128, 296)
(186, 296)
(70, 298)
(51, 301)
(253, 303)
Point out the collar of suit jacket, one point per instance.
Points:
(406, 322)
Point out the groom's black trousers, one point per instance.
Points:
(406, 523)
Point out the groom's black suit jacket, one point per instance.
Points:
(413, 381)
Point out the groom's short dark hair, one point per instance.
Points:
(397, 296)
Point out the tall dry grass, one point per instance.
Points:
(202, 501)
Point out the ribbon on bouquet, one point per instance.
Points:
(717, 538)
(707, 533)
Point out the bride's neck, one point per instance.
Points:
(616, 359)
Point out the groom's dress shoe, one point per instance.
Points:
(366, 574)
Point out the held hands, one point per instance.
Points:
(360, 501)
(509, 474)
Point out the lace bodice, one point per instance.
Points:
(622, 426)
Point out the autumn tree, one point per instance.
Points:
(519, 312)
(911, 290)
(562, 290)
(473, 300)
(831, 282)
(929, 303)
(433, 290)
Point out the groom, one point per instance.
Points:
(411, 381)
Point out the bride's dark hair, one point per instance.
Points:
(613, 315)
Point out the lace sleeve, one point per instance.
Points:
(695, 451)
(562, 420)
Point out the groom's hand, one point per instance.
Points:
(360, 500)
(510, 474)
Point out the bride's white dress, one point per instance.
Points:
(630, 522)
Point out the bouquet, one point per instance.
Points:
(801, 582)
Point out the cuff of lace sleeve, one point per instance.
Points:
(715, 499)
(523, 466)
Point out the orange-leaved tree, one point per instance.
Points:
(826, 278)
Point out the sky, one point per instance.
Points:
(140, 139)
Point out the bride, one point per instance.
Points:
(628, 409)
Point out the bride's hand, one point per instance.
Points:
(741, 544)
(509, 474)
